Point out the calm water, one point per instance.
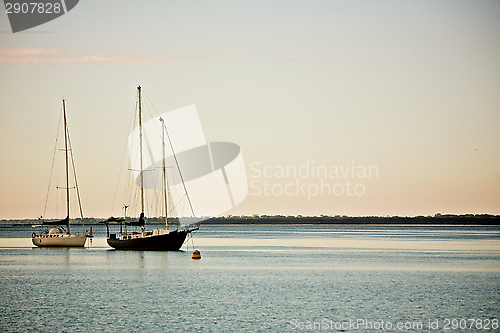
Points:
(297, 278)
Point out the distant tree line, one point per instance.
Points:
(466, 219)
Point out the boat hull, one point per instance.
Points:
(168, 242)
(59, 241)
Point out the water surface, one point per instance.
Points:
(258, 278)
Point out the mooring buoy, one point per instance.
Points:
(196, 255)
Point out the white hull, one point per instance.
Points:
(60, 240)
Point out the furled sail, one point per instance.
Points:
(57, 223)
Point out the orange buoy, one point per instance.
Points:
(196, 255)
(91, 234)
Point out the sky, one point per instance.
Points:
(408, 90)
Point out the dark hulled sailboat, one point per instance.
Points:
(160, 239)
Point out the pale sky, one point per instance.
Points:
(409, 87)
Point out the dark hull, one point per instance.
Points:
(170, 242)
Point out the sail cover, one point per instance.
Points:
(114, 220)
(139, 223)
(56, 223)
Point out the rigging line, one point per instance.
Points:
(169, 195)
(192, 243)
(52, 167)
(134, 198)
(147, 108)
(131, 123)
(170, 211)
(190, 237)
(76, 182)
(130, 194)
(139, 103)
(178, 168)
(66, 163)
(146, 100)
(147, 105)
(183, 208)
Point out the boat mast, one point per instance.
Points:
(67, 162)
(140, 143)
(164, 171)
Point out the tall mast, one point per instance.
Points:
(164, 171)
(67, 160)
(140, 143)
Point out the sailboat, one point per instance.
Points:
(59, 234)
(158, 239)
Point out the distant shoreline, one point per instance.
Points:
(483, 219)
(452, 220)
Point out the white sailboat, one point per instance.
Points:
(58, 233)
